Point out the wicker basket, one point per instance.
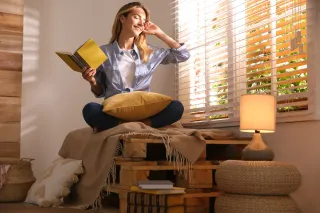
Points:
(19, 179)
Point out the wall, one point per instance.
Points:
(11, 28)
(52, 95)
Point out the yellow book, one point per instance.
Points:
(87, 55)
(175, 190)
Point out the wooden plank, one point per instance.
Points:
(12, 6)
(10, 109)
(9, 150)
(11, 22)
(11, 41)
(134, 150)
(235, 141)
(206, 194)
(136, 163)
(10, 61)
(10, 132)
(131, 177)
(202, 162)
(160, 167)
(228, 142)
(10, 82)
(120, 158)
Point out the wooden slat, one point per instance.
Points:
(292, 65)
(292, 80)
(161, 167)
(10, 109)
(10, 61)
(286, 74)
(228, 141)
(136, 163)
(205, 194)
(284, 31)
(12, 6)
(257, 59)
(11, 82)
(10, 132)
(291, 58)
(255, 40)
(258, 32)
(259, 66)
(9, 150)
(259, 46)
(11, 41)
(11, 22)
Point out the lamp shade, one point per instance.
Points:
(257, 112)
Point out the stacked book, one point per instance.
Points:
(154, 196)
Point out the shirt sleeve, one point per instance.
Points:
(100, 77)
(174, 55)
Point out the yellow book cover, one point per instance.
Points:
(175, 190)
(87, 55)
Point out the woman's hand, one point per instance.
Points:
(88, 75)
(152, 29)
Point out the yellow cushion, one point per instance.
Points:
(135, 106)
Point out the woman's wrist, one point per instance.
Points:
(168, 40)
(161, 35)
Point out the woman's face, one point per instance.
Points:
(134, 23)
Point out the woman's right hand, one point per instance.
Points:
(88, 75)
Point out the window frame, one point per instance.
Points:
(313, 78)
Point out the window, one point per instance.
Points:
(239, 47)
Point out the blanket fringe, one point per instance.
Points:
(110, 180)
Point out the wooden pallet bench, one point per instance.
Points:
(132, 166)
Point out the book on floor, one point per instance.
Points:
(88, 55)
(155, 184)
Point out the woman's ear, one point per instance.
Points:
(122, 18)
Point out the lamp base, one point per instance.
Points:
(257, 150)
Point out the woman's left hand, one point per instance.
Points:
(152, 29)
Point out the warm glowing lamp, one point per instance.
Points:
(257, 115)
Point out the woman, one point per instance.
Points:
(130, 65)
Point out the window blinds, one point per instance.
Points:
(239, 47)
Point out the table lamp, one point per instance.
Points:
(257, 115)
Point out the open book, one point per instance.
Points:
(88, 55)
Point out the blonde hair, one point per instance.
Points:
(140, 41)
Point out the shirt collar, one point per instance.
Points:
(119, 51)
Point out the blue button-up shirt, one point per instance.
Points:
(109, 77)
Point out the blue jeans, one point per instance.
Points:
(96, 118)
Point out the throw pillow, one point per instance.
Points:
(135, 106)
(55, 183)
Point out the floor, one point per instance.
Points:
(27, 208)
